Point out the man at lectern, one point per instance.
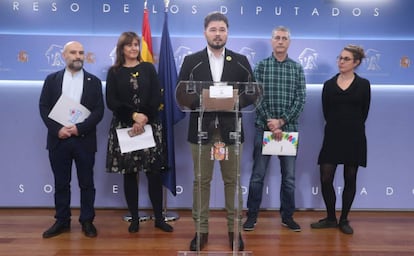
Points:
(215, 63)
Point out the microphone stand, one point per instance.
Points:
(236, 135)
(201, 135)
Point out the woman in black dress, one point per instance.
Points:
(133, 95)
(345, 101)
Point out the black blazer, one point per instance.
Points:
(92, 99)
(234, 70)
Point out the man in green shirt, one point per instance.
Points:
(284, 94)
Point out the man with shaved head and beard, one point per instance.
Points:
(72, 143)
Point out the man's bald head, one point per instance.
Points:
(74, 55)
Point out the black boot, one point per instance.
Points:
(164, 226)
(241, 243)
(134, 226)
(203, 241)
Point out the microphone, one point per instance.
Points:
(192, 70)
(250, 90)
(191, 86)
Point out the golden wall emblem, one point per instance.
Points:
(405, 62)
(22, 56)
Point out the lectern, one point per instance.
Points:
(204, 100)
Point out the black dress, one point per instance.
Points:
(345, 113)
(130, 90)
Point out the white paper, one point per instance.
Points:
(129, 144)
(68, 112)
(221, 92)
(286, 147)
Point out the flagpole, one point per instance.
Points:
(168, 216)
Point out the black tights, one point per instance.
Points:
(154, 192)
(327, 172)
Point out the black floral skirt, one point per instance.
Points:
(149, 159)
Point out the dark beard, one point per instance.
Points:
(217, 46)
(76, 65)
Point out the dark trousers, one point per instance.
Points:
(61, 159)
(154, 191)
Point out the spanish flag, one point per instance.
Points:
(146, 44)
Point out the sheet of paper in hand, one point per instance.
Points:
(137, 142)
(68, 112)
(288, 146)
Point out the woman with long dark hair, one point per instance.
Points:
(133, 95)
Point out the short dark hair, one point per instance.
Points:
(215, 16)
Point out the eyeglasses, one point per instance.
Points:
(346, 59)
(278, 38)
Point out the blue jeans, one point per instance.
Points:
(287, 188)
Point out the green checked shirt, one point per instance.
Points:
(284, 92)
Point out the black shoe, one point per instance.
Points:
(89, 229)
(324, 223)
(241, 243)
(249, 224)
(164, 226)
(56, 229)
(203, 242)
(134, 226)
(291, 224)
(345, 227)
